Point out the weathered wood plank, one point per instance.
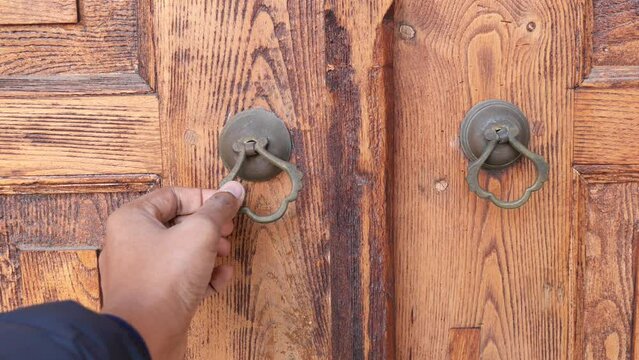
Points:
(464, 344)
(266, 54)
(612, 77)
(18, 12)
(9, 276)
(606, 124)
(608, 174)
(327, 74)
(146, 42)
(615, 32)
(105, 41)
(460, 259)
(48, 222)
(79, 184)
(60, 275)
(359, 39)
(58, 220)
(67, 85)
(607, 239)
(79, 135)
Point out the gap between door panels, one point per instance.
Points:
(360, 84)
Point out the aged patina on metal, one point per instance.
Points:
(256, 145)
(255, 123)
(494, 135)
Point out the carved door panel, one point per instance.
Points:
(101, 101)
(556, 278)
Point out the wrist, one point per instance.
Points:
(161, 341)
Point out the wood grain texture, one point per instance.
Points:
(45, 223)
(606, 122)
(60, 275)
(58, 220)
(105, 41)
(615, 32)
(608, 235)
(78, 184)
(9, 277)
(605, 174)
(464, 344)
(461, 261)
(586, 28)
(288, 300)
(17, 12)
(69, 85)
(612, 77)
(146, 42)
(79, 135)
(250, 54)
(577, 267)
(359, 79)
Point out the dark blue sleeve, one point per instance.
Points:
(67, 330)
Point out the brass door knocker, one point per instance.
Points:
(494, 135)
(256, 145)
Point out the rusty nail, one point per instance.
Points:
(407, 32)
(531, 26)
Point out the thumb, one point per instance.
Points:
(206, 223)
(223, 205)
(234, 188)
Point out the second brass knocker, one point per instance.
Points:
(494, 135)
(243, 147)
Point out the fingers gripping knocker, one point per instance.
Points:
(494, 135)
(243, 147)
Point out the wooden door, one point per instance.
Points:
(555, 279)
(79, 135)
(103, 100)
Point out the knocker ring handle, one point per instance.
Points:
(255, 145)
(473, 174)
(494, 135)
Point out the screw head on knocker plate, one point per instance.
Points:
(255, 125)
(486, 120)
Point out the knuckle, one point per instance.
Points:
(165, 196)
(153, 202)
(148, 207)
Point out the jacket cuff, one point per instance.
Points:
(69, 328)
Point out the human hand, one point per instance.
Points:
(153, 275)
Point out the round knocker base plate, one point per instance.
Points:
(493, 115)
(255, 124)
